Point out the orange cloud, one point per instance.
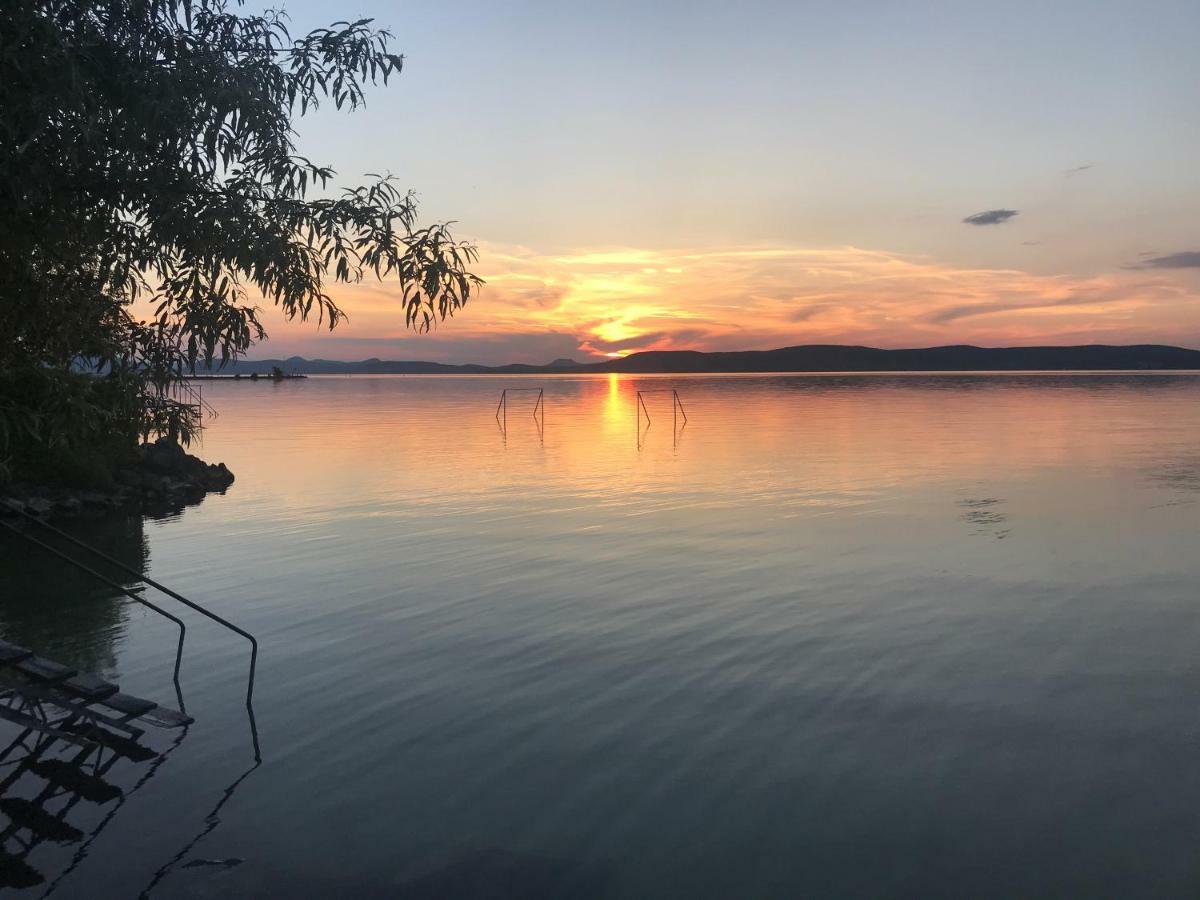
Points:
(616, 300)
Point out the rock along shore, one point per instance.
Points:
(164, 479)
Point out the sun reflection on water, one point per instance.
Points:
(615, 408)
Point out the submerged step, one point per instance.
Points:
(166, 717)
(11, 653)
(90, 687)
(45, 669)
(63, 734)
(73, 691)
(75, 706)
(128, 705)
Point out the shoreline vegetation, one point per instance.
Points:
(150, 153)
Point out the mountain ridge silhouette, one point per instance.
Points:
(800, 358)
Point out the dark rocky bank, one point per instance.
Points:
(165, 478)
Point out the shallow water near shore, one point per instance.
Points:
(910, 635)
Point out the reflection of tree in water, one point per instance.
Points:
(64, 613)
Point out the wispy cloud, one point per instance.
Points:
(807, 313)
(1188, 259)
(991, 217)
(954, 313)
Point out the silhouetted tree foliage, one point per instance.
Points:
(147, 153)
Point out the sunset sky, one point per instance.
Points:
(757, 174)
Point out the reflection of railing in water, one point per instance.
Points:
(73, 753)
(211, 821)
(538, 406)
(676, 411)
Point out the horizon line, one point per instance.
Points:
(598, 361)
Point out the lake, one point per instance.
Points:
(878, 635)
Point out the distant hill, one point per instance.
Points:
(962, 358)
(806, 358)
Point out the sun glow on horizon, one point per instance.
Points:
(605, 304)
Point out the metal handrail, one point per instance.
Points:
(182, 387)
(147, 580)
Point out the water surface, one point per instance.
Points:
(880, 635)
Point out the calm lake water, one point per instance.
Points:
(898, 636)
